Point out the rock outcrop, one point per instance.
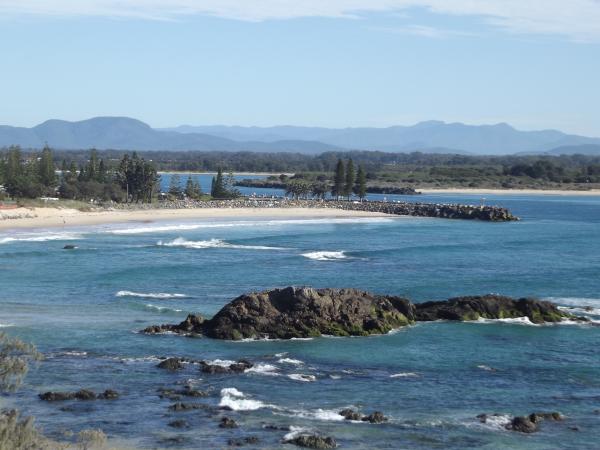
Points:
(82, 394)
(306, 312)
(489, 307)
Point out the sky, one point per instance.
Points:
(534, 64)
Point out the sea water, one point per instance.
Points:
(83, 309)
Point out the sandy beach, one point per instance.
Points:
(591, 192)
(56, 217)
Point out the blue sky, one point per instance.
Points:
(533, 64)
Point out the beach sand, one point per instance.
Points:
(591, 192)
(56, 217)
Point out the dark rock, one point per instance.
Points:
(179, 406)
(305, 312)
(350, 414)
(226, 422)
(109, 394)
(539, 416)
(56, 396)
(313, 441)
(171, 364)
(179, 424)
(69, 247)
(376, 417)
(489, 307)
(192, 325)
(250, 440)
(85, 394)
(522, 425)
(237, 367)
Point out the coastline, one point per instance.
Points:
(55, 217)
(591, 192)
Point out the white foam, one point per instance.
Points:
(404, 375)
(237, 401)
(157, 295)
(293, 361)
(486, 368)
(6, 325)
(41, 237)
(220, 362)
(212, 243)
(302, 377)
(497, 422)
(328, 415)
(161, 308)
(295, 432)
(512, 320)
(263, 369)
(325, 256)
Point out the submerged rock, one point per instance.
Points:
(312, 441)
(250, 440)
(171, 364)
(226, 422)
(69, 247)
(306, 312)
(180, 423)
(82, 394)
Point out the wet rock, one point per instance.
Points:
(539, 416)
(179, 406)
(171, 364)
(69, 247)
(350, 414)
(226, 422)
(179, 424)
(376, 417)
(192, 325)
(522, 424)
(313, 441)
(238, 367)
(489, 307)
(109, 394)
(85, 394)
(250, 440)
(56, 396)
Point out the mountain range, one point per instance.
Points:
(123, 133)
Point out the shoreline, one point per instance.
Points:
(591, 192)
(57, 218)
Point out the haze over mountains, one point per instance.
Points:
(123, 133)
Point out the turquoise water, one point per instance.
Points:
(82, 308)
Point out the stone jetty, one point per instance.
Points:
(436, 210)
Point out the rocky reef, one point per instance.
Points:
(301, 312)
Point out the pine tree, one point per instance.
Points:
(175, 186)
(349, 179)
(360, 187)
(46, 172)
(339, 180)
(218, 188)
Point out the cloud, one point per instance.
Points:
(577, 20)
(423, 31)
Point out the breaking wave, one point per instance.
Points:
(325, 256)
(212, 243)
(41, 237)
(152, 307)
(158, 295)
(404, 375)
(263, 369)
(237, 401)
(302, 377)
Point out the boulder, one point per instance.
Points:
(226, 422)
(350, 414)
(109, 394)
(376, 417)
(213, 369)
(522, 424)
(192, 325)
(171, 364)
(313, 441)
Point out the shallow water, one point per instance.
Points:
(82, 308)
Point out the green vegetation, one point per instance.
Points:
(222, 188)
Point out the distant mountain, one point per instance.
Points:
(123, 133)
(456, 137)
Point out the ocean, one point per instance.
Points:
(83, 309)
